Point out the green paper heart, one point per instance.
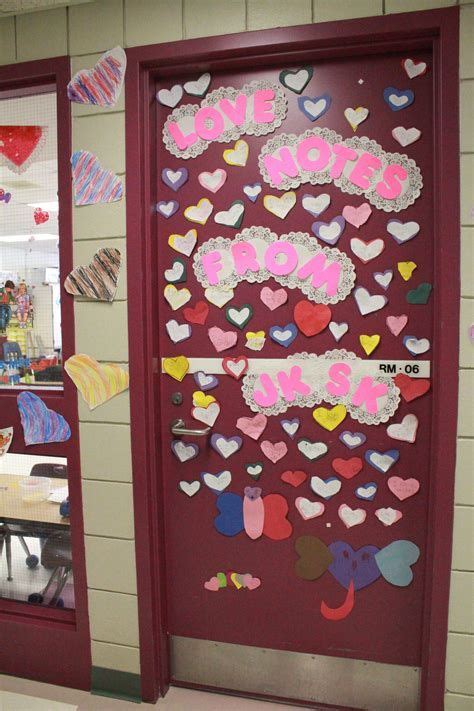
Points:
(293, 84)
(222, 578)
(420, 295)
(257, 470)
(233, 314)
(170, 278)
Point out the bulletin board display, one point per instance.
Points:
(295, 292)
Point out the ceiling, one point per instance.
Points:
(17, 7)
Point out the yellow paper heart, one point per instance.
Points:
(176, 297)
(238, 154)
(199, 213)
(96, 382)
(280, 206)
(176, 367)
(254, 334)
(369, 343)
(406, 269)
(202, 400)
(330, 418)
(356, 116)
(184, 244)
(235, 579)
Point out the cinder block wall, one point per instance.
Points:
(84, 32)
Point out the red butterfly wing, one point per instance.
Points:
(276, 526)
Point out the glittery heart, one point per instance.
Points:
(296, 79)
(314, 107)
(213, 181)
(176, 367)
(252, 426)
(420, 295)
(294, 478)
(316, 204)
(40, 216)
(280, 206)
(406, 430)
(351, 517)
(356, 116)
(40, 424)
(406, 269)
(309, 509)
(369, 343)
(414, 69)
(357, 566)
(348, 468)
(411, 388)
(199, 213)
(366, 251)
(357, 216)
(222, 340)
(388, 516)
(330, 418)
(329, 232)
(97, 382)
(398, 99)
(325, 488)
(102, 84)
(310, 318)
(273, 299)
(98, 280)
(237, 155)
(174, 179)
(176, 297)
(92, 183)
(406, 136)
(199, 86)
(403, 488)
(20, 146)
(274, 451)
(396, 324)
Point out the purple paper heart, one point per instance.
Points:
(204, 381)
(348, 564)
(225, 446)
(167, 208)
(352, 439)
(291, 427)
(174, 179)
(329, 232)
(252, 191)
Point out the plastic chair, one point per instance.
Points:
(56, 554)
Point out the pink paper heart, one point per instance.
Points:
(396, 324)
(250, 582)
(212, 584)
(273, 299)
(222, 340)
(274, 451)
(403, 488)
(252, 426)
(357, 216)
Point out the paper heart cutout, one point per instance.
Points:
(314, 557)
(384, 279)
(406, 269)
(252, 191)
(198, 87)
(273, 299)
(200, 399)
(167, 208)
(396, 324)
(176, 298)
(416, 346)
(92, 183)
(170, 97)
(98, 280)
(420, 295)
(212, 584)
(5, 197)
(217, 482)
(291, 427)
(388, 516)
(314, 107)
(101, 85)
(174, 179)
(178, 331)
(382, 461)
(239, 317)
(237, 155)
(414, 69)
(221, 340)
(338, 329)
(40, 216)
(225, 446)
(237, 580)
(197, 314)
(348, 468)
(97, 382)
(250, 582)
(368, 303)
(199, 213)
(284, 335)
(326, 488)
(213, 181)
(357, 216)
(177, 274)
(402, 231)
(366, 251)
(310, 318)
(398, 99)
(406, 136)
(395, 561)
(254, 469)
(330, 418)
(404, 431)
(356, 116)
(218, 297)
(352, 440)
(190, 488)
(312, 450)
(176, 367)
(208, 415)
(20, 146)
(40, 424)
(349, 566)
(403, 488)
(204, 381)
(316, 204)
(309, 509)
(184, 451)
(235, 367)
(369, 343)
(233, 216)
(411, 388)
(255, 341)
(367, 491)
(351, 517)
(280, 206)
(294, 478)
(329, 232)
(252, 426)
(296, 79)
(184, 244)
(274, 451)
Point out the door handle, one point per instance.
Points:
(178, 427)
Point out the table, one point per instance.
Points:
(14, 510)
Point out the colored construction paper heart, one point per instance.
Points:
(403, 488)
(225, 446)
(338, 329)
(184, 244)
(213, 181)
(239, 316)
(40, 424)
(388, 516)
(352, 440)
(98, 280)
(177, 273)
(176, 297)
(329, 232)
(296, 79)
(170, 97)
(406, 269)
(309, 509)
(402, 231)
(199, 213)
(237, 580)
(274, 451)
(310, 318)
(102, 84)
(416, 346)
(198, 87)
(190, 488)
(212, 584)
(314, 108)
(237, 155)
(252, 191)
(369, 343)
(40, 216)
(330, 418)
(384, 279)
(420, 295)
(357, 216)
(174, 179)
(178, 331)
(176, 367)
(316, 204)
(218, 297)
(312, 450)
(366, 492)
(356, 116)
(273, 299)
(252, 426)
(280, 206)
(396, 324)
(204, 381)
(235, 367)
(406, 136)
(255, 341)
(6, 436)
(314, 557)
(217, 482)
(382, 461)
(221, 340)
(404, 431)
(414, 69)
(347, 468)
(97, 382)
(167, 208)
(411, 388)
(398, 99)
(357, 566)
(222, 578)
(368, 303)
(5, 197)
(20, 146)
(284, 335)
(254, 469)
(184, 451)
(325, 488)
(250, 582)
(294, 478)
(208, 415)
(200, 399)
(92, 183)
(395, 561)
(233, 216)
(351, 517)
(197, 314)
(291, 427)
(366, 251)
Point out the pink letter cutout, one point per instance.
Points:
(262, 108)
(269, 396)
(321, 274)
(277, 268)
(340, 384)
(244, 257)
(212, 265)
(368, 393)
(285, 164)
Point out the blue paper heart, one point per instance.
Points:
(348, 564)
(230, 520)
(398, 99)
(314, 108)
(363, 492)
(395, 561)
(284, 335)
(382, 461)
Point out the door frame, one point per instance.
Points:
(437, 30)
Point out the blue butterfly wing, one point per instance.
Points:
(230, 520)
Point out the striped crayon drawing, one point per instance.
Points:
(102, 84)
(96, 382)
(40, 424)
(98, 280)
(91, 182)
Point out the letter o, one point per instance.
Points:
(208, 113)
(305, 148)
(276, 267)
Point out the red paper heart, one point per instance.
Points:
(411, 388)
(227, 366)
(18, 145)
(197, 314)
(347, 467)
(294, 478)
(311, 318)
(40, 216)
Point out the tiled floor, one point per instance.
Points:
(23, 695)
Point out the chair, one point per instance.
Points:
(5, 537)
(11, 347)
(56, 554)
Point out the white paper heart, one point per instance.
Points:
(338, 329)
(184, 451)
(356, 116)
(291, 428)
(189, 487)
(416, 346)
(184, 244)
(170, 97)
(351, 517)
(366, 251)
(366, 492)
(403, 231)
(309, 509)
(384, 279)
(198, 87)
(331, 232)
(252, 191)
(218, 297)
(316, 205)
(367, 302)
(297, 81)
(280, 206)
(175, 273)
(414, 69)
(239, 316)
(406, 136)
(388, 516)
(236, 367)
(200, 212)
(405, 431)
(312, 450)
(176, 297)
(178, 332)
(217, 482)
(325, 489)
(213, 181)
(226, 447)
(254, 469)
(382, 461)
(230, 217)
(208, 414)
(203, 380)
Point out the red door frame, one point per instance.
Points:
(437, 30)
(51, 645)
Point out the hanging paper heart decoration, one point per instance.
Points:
(402, 231)
(40, 424)
(309, 509)
(330, 418)
(357, 216)
(356, 116)
(314, 108)
(403, 488)
(316, 205)
(416, 346)
(20, 146)
(184, 451)
(284, 335)
(96, 382)
(99, 279)
(325, 488)
(176, 297)
(420, 295)
(329, 232)
(178, 332)
(382, 461)
(197, 314)
(396, 324)
(366, 251)
(222, 340)
(350, 566)
(190, 488)
(235, 367)
(366, 492)
(199, 86)
(204, 381)
(351, 517)
(177, 273)
(199, 213)
(296, 79)
(347, 468)
(252, 426)
(367, 302)
(338, 329)
(101, 85)
(273, 299)
(388, 516)
(213, 181)
(405, 431)
(352, 440)
(218, 297)
(225, 446)
(294, 478)
(92, 183)
(369, 343)
(170, 97)
(411, 388)
(252, 191)
(290, 427)
(398, 99)
(239, 316)
(176, 367)
(5, 197)
(312, 450)
(395, 561)
(384, 279)
(40, 216)
(274, 451)
(237, 155)
(167, 208)
(233, 216)
(414, 69)
(280, 206)
(310, 318)
(174, 179)
(406, 136)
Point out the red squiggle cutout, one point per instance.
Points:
(339, 613)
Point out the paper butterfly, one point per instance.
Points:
(253, 514)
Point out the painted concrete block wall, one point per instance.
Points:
(84, 32)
